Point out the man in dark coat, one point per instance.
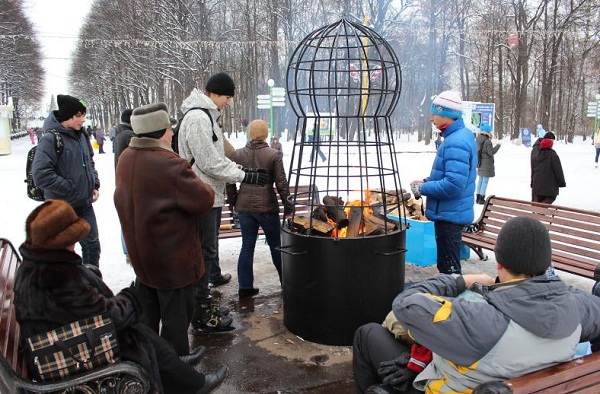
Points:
(546, 170)
(53, 288)
(70, 175)
(159, 200)
(123, 134)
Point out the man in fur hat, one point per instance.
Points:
(70, 175)
(159, 200)
(202, 142)
(479, 329)
(53, 288)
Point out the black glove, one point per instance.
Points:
(395, 373)
(288, 207)
(256, 176)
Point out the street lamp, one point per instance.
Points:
(271, 83)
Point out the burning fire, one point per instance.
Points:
(367, 210)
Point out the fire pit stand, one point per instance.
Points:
(343, 260)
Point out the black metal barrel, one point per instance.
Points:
(331, 286)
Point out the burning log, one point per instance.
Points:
(335, 210)
(354, 221)
(303, 224)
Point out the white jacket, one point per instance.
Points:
(196, 141)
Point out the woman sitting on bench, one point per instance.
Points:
(54, 288)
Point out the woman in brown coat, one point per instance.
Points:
(257, 205)
(53, 288)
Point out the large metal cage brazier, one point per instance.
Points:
(343, 259)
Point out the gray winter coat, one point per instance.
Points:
(70, 176)
(196, 142)
(485, 154)
(492, 333)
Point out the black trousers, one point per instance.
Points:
(176, 377)
(373, 344)
(172, 308)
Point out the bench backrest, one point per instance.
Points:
(9, 328)
(575, 233)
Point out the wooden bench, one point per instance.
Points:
(229, 228)
(581, 375)
(123, 377)
(575, 233)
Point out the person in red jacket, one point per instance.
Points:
(159, 199)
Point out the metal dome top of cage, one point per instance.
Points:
(344, 68)
(343, 83)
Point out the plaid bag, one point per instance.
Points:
(74, 348)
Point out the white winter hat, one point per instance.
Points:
(447, 104)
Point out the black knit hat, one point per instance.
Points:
(523, 246)
(126, 115)
(68, 106)
(220, 83)
(549, 136)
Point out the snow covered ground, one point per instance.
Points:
(414, 162)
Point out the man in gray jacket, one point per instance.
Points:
(201, 141)
(480, 329)
(70, 174)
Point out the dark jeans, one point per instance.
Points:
(597, 155)
(172, 308)
(250, 222)
(208, 228)
(372, 345)
(448, 241)
(311, 138)
(90, 245)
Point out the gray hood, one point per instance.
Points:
(199, 99)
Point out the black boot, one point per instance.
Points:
(482, 199)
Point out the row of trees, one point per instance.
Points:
(21, 72)
(537, 60)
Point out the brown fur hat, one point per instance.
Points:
(54, 225)
(258, 130)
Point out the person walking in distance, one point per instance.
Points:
(546, 170)
(485, 160)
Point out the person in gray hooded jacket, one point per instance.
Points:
(480, 329)
(71, 174)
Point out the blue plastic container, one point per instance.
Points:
(420, 243)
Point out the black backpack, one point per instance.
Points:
(34, 192)
(175, 140)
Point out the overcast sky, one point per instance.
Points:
(57, 24)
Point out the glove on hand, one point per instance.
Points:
(256, 176)
(416, 190)
(387, 368)
(420, 356)
(288, 207)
